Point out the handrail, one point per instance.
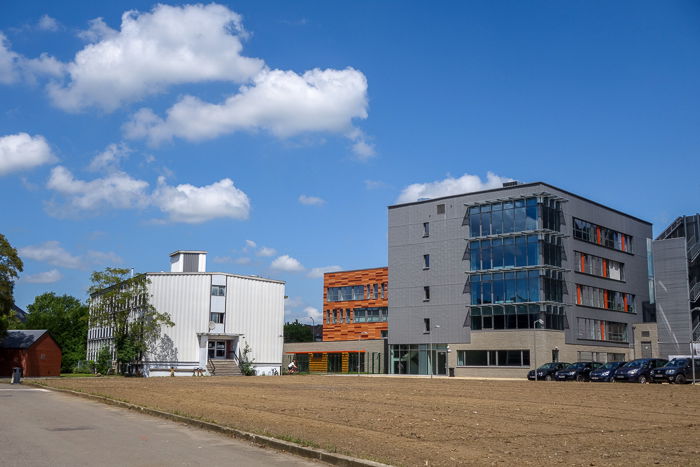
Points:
(693, 252)
(213, 367)
(694, 293)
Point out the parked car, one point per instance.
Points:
(678, 370)
(605, 373)
(579, 371)
(546, 371)
(638, 371)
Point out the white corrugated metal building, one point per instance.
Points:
(215, 315)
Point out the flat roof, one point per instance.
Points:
(355, 270)
(522, 185)
(241, 276)
(188, 251)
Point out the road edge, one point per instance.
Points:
(260, 440)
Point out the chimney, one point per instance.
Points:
(188, 261)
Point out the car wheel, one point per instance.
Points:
(580, 378)
(642, 379)
(680, 379)
(548, 378)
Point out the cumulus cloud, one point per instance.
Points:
(15, 67)
(313, 313)
(281, 102)
(266, 251)
(193, 205)
(250, 244)
(47, 277)
(109, 158)
(9, 62)
(311, 200)
(116, 190)
(23, 151)
(319, 272)
(450, 186)
(167, 46)
(287, 263)
(53, 253)
(47, 23)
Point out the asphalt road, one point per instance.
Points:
(45, 428)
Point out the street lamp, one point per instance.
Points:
(534, 344)
(430, 357)
(357, 362)
(313, 327)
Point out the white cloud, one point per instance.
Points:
(319, 272)
(116, 190)
(9, 62)
(15, 67)
(53, 253)
(47, 23)
(191, 204)
(311, 200)
(314, 313)
(109, 158)
(281, 102)
(47, 277)
(168, 46)
(250, 244)
(287, 263)
(22, 152)
(450, 186)
(266, 251)
(103, 258)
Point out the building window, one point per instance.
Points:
(507, 217)
(505, 253)
(370, 314)
(603, 357)
(598, 330)
(592, 233)
(218, 290)
(604, 298)
(497, 317)
(441, 209)
(519, 358)
(645, 334)
(217, 318)
(426, 293)
(426, 229)
(509, 287)
(426, 261)
(346, 293)
(598, 266)
(426, 325)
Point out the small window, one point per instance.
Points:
(217, 318)
(426, 325)
(218, 290)
(385, 333)
(426, 229)
(426, 261)
(441, 209)
(426, 293)
(645, 334)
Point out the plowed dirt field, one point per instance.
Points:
(406, 421)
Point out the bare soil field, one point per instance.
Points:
(408, 421)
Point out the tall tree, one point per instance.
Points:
(297, 332)
(122, 303)
(10, 267)
(66, 318)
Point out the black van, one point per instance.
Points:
(638, 371)
(678, 370)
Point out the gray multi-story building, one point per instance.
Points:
(495, 282)
(676, 254)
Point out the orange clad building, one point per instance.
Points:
(355, 304)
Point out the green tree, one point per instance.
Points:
(297, 332)
(66, 318)
(104, 360)
(10, 267)
(122, 303)
(246, 363)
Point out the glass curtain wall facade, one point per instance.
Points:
(515, 259)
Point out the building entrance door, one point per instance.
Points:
(216, 349)
(442, 363)
(646, 349)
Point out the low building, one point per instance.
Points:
(676, 254)
(216, 314)
(355, 328)
(35, 351)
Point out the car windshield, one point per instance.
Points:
(577, 365)
(548, 366)
(610, 365)
(677, 362)
(635, 364)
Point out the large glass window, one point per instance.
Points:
(507, 217)
(604, 298)
(505, 252)
(592, 233)
(510, 287)
(346, 293)
(598, 266)
(516, 317)
(371, 314)
(598, 330)
(518, 358)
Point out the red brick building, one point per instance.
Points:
(355, 304)
(35, 351)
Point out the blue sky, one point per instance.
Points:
(274, 134)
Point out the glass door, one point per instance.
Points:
(216, 349)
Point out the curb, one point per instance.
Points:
(260, 440)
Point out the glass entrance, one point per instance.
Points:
(442, 363)
(216, 349)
